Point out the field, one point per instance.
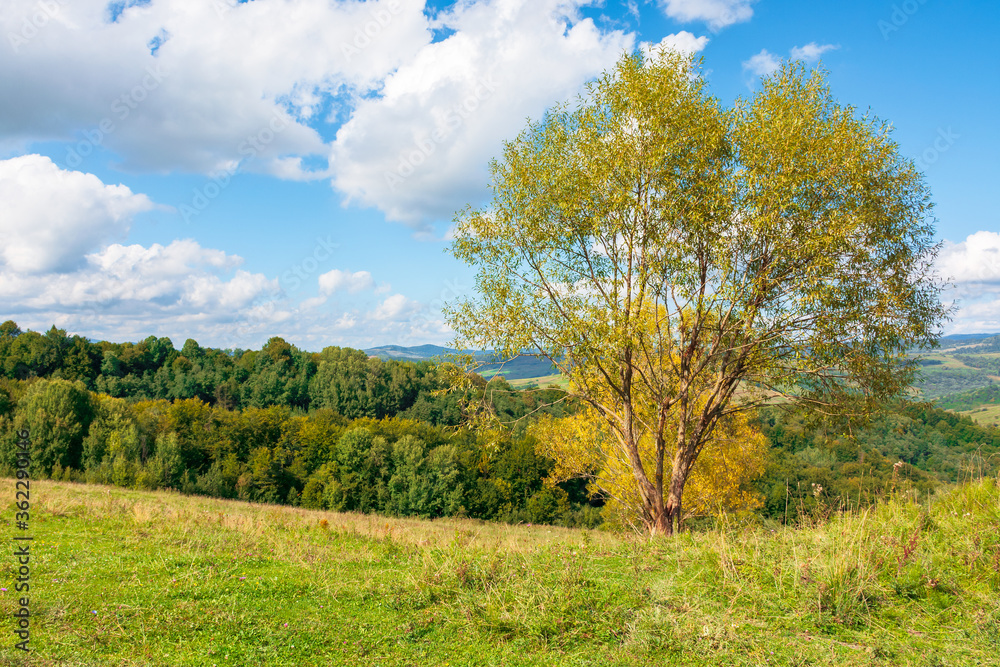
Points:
(139, 578)
(987, 415)
(541, 382)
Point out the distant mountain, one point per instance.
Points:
(961, 340)
(416, 353)
(519, 368)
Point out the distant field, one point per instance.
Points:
(542, 382)
(987, 415)
(138, 578)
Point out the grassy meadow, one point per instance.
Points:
(985, 415)
(125, 577)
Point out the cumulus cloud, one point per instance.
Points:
(50, 217)
(716, 13)
(762, 64)
(122, 289)
(199, 86)
(811, 51)
(363, 93)
(765, 62)
(682, 41)
(976, 260)
(337, 280)
(395, 308)
(419, 150)
(972, 267)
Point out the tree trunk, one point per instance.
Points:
(675, 491)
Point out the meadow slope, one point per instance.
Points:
(125, 577)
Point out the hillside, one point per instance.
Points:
(962, 363)
(140, 578)
(524, 367)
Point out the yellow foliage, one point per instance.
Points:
(582, 446)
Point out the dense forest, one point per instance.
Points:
(339, 430)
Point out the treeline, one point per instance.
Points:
(337, 430)
(986, 346)
(911, 446)
(971, 399)
(339, 379)
(319, 460)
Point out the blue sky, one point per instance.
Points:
(232, 171)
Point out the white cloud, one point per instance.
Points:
(765, 62)
(337, 280)
(762, 64)
(149, 87)
(811, 51)
(420, 149)
(973, 268)
(395, 308)
(974, 260)
(717, 13)
(123, 290)
(200, 86)
(683, 41)
(50, 217)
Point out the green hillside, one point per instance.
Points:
(129, 578)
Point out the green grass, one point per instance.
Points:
(557, 380)
(131, 578)
(986, 415)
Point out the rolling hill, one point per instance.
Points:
(524, 367)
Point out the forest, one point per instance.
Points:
(341, 431)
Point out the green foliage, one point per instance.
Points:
(678, 261)
(58, 414)
(816, 469)
(970, 400)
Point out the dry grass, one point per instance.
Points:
(156, 578)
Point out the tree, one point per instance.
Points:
(57, 413)
(722, 479)
(680, 262)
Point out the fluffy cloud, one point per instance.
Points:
(717, 13)
(762, 64)
(419, 149)
(396, 308)
(765, 62)
(973, 268)
(199, 86)
(682, 41)
(359, 92)
(976, 260)
(50, 217)
(125, 290)
(337, 280)
(811, 51)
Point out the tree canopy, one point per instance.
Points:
(680, 262)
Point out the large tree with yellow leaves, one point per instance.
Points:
(680, 262)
